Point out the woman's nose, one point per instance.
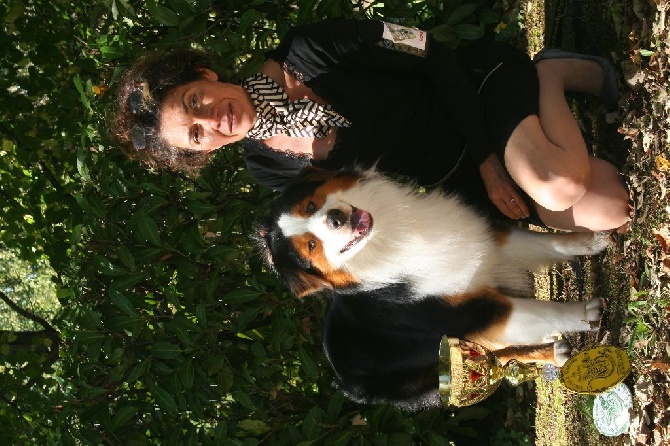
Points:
(207, 118)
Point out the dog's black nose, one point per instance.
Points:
(335, 218)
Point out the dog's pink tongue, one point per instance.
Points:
(360, 222)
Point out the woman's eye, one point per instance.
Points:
(311, 207)
(311, 245)
(196, 134)
(194, 102)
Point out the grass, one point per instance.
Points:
(551, 418)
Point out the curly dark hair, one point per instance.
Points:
(139, 96)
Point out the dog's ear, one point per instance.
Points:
(304, 283)
(259, 237)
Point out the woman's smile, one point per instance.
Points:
(231, 118)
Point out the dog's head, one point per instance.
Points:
(314, 229)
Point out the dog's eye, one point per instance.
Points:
(311, 207)
(311, 245)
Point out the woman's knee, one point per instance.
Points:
(561, 187)
(561, 193)
(606, 205)
(609, 216)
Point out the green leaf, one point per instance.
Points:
(146, 255)
(222, 253)
(121, 417)
(489, 17)
(221, 431)
(201, 5)
(110, 52)
(472, 413)
(82, 94)
(137, 371)
(311, 424)
(166, 350)
(399, 439)
(147, 229)
(460, 13)
(107, 267)
(469, 32)
(335, 406)
(187, 374)
(240, 296)
(87, 337)
(81, 166)
(254, 427)
(307, 363)
(89, 205)
(201, 314)
(182, 7)
(340, 439)
(122, 303)
(198, 207)
(151, 204)
(163, 15)
(249, 17)
(126, 281)
(164, 399)
(443, 33)
(126, 257)
(243, 398)
(192, 240)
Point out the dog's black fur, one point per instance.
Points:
(383, 345)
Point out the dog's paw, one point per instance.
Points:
(562, 351)
(599, 242)
(594, 311)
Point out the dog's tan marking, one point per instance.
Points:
(302, 208)
(526, 353)
(335, 183)
(491, 293)
(336, 278)
(501, 236)
(492, 336)
(302, 243)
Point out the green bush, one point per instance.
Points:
(171, 331)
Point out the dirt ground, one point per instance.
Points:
(634, 274)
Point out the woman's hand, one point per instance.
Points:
(501, 189)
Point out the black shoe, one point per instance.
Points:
(609, 93)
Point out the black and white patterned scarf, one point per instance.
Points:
(276, 114)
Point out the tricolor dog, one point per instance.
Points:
(403, 268)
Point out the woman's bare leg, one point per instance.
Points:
(554, 173)
(604, 206)
(546, 155)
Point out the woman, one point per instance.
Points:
(483, 120)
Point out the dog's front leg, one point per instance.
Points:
(529, 249)
(531, 322)
(535, 321)
(554, 352)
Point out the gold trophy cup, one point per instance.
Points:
(470, 373)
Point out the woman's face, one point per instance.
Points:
(206, 114)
